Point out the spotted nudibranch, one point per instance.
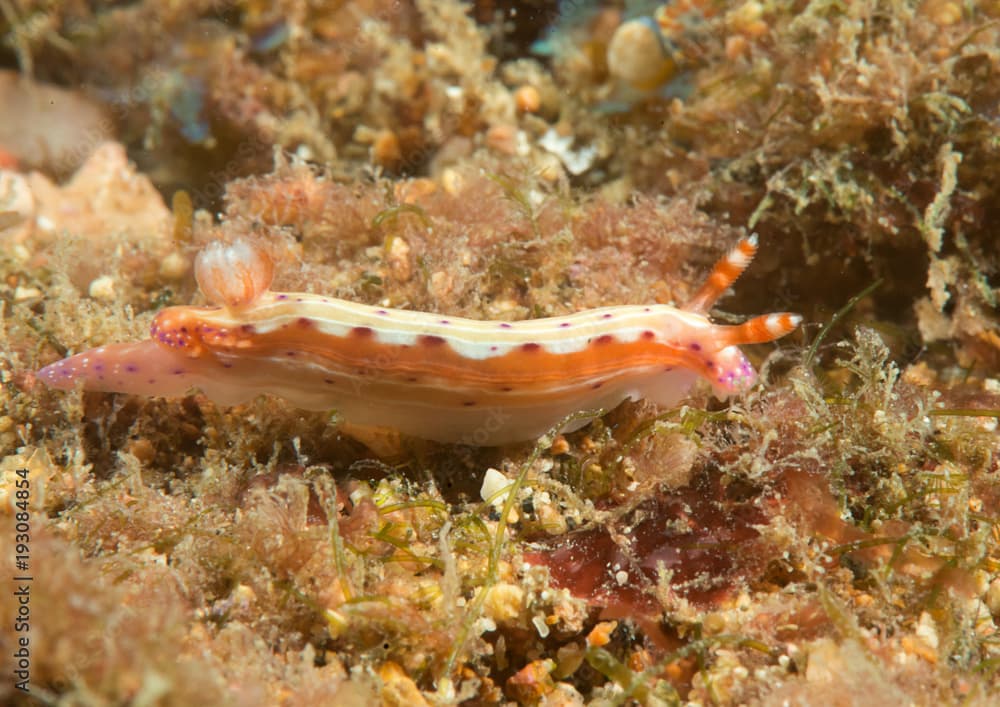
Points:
(426, 375)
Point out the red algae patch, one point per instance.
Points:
(696, 544)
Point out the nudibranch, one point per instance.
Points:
(426, 375)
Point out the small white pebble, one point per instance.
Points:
(452, 181)
(25, 293)
(483, 625)
(927, 630)
(576, 161)
(493, 484)
(174, 266)
(399, 259)
(102, 288)
(541, 626)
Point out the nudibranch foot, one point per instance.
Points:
(426, 375)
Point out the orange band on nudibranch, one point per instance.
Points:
(430, 359)
(445, 378)
(723, 275)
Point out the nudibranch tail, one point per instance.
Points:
(723, 275)
(233, 275)
(142, 368)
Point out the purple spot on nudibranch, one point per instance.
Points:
(227, 365)
(648, 335)
(695, 346)
(564, 325)
(281, 298)
(248, 329)
(328, 381)
(444, 321)
(299, 299)
(506, 388)
(381, 311)
(178, 371)
(304, 322)
(607, 316)
(151, 381)
(531, 346)
(362, 331)
(131, 368)
(505, 325)
(431, 340)
(412, 379)
(98, 366)
(290, 353)
(494, 348)
(604, 339)
(469, 403)
(597, 385)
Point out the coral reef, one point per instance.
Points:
(832, 536)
